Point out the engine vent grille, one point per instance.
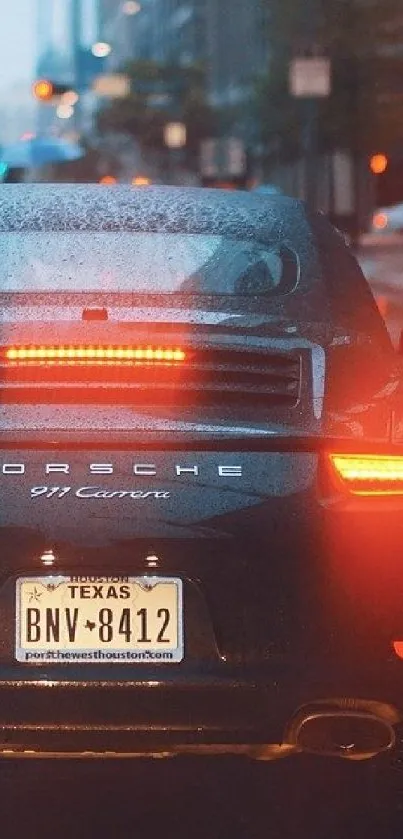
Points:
(203, 376)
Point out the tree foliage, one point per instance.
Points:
(363, 40)
(86, 169)
(159, 94)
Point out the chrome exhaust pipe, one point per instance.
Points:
(354, 735)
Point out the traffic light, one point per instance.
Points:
(387, 181)
(42, 90)
(378, 164)
(45, 90)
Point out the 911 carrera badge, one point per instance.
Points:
(91, 492)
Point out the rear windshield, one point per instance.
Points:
(145, 263)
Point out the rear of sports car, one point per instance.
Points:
(201, 493)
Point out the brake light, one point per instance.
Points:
(398, 648)
(380, 221)
(99, 355)
(364, 474)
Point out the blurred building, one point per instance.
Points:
(184, 32)
(65, 32)
(230, 37)
(237, 48)
(122, 30)
(53, 60)
(17, 113)
(84, 32)
(155, 30)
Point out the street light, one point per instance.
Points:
(47, 90)
(131, 7)
(70, 97)
(43, 90)
(310, 80)
(101, 49)
(64, 111)
(175, 135)
(378, 164)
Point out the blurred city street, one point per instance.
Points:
(381, 259)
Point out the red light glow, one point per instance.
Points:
(370, 474)
(380, 221)
(378, 164)
(383, 304)
(43, 90)
(100, 355)
(139, 180)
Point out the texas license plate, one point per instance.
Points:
(124, 620)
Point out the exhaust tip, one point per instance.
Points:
(346, 734)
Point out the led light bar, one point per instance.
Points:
(364, 474)
(70, 354)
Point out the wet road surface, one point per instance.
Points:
(382, 264)
(222, 798)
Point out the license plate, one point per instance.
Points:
(123, 620)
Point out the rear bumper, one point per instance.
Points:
(288, 602)
(239, 714)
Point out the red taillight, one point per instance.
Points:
(365, 474)
(380, 221)
(89, 355)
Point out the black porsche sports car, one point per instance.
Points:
(201, 470)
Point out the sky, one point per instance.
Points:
(17, 41)
(21, 22)
(19, 29)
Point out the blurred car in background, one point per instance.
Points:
(387, 220)
(268, 189)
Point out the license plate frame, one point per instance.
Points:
(143, 588)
